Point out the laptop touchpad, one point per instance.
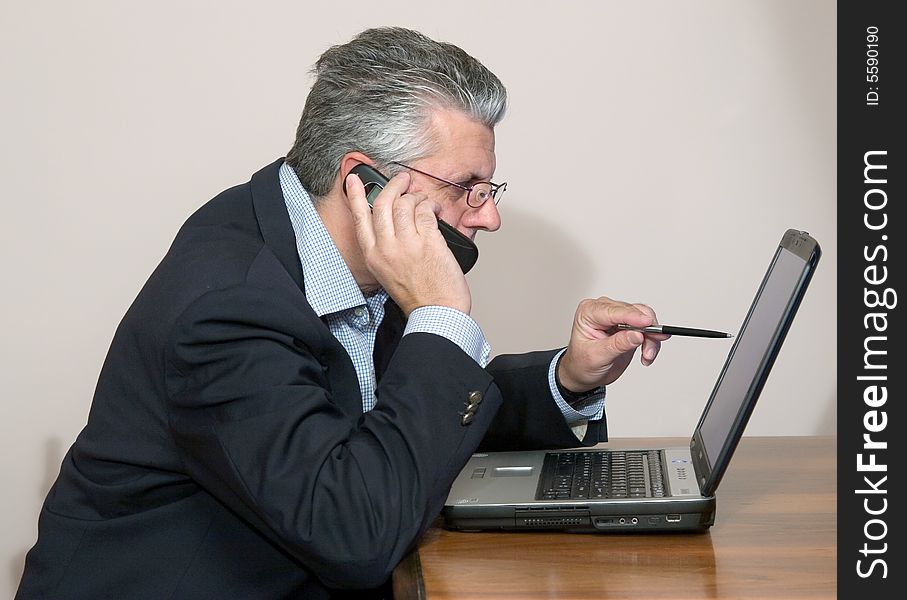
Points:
(512, 471)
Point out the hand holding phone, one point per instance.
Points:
(463, 248)
(398, 234)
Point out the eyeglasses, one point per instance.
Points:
(477, 193)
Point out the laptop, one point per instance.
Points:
(643, 489)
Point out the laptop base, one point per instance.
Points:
(694, 515)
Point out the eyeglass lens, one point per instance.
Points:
(481, 192)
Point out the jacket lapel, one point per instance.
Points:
(277, 232)
(273, 220)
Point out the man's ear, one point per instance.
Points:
(347, 163)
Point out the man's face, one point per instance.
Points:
(464, 155)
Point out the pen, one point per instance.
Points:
(670, 330)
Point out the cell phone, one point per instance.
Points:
(463, 248)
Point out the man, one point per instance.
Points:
(285, 405)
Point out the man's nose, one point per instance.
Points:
(485, 217)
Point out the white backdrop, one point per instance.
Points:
(655, 151)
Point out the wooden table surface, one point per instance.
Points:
(774, 537)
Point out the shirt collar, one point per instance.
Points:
(329, 284)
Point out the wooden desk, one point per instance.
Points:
(774, 537)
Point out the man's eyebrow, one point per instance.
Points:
(468, 178)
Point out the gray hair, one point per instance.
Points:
(376, 95)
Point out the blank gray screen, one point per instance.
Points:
(751, 350)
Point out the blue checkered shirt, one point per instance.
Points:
(354, 318)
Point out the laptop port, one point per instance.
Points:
(672, 518)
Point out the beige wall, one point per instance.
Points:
(656, 151)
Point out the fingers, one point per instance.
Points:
(650, 349)
(637, 315)
(403, 248)
(646, 310)
(604, 314)
(625, 342)
(651, 343)
(389, 210)
(362, 216)
(426, 216)
(393, 212)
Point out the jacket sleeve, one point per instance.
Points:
(260, 428)
(529, 417)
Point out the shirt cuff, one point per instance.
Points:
(456, 326)
(592, 407)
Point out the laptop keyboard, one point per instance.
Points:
(596, 474)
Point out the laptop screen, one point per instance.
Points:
(754, 350)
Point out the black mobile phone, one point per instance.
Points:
(463, 248)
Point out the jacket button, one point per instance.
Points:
(474, 399)
(467, 418)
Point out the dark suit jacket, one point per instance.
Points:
(226, 454)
